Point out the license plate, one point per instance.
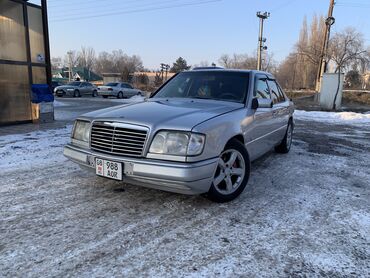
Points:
(108, 169)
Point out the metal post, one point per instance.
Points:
(69, 53)
(261, 40)
(46, 40)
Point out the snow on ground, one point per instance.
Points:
(34, 149)
(303, 214)
(58, 103)
(333, 117)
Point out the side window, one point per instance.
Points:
(261, 89)
(123, 85)
(129, 86)
(281, 92)
(275, 93)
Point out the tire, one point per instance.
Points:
(285, 145)
(120, 95)
(139, 94)
(76, 93)
(221, 191)
(105, 96)
(94, 93)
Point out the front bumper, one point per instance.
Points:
(178, 177)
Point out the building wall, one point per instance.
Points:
(22, 58)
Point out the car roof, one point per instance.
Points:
(217, 69)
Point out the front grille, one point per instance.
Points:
(118, 139)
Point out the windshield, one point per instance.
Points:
(226, 86)
(74, 83)
(111, 84)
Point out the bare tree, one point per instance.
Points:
(118, 62)
(86, 58)
(245, 61)
(347, 49)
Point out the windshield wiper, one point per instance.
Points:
(199, 97)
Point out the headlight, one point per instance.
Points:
(177, 143)
(81, 131)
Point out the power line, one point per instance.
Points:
(90, 3)
(136, 11)
(283, 5)
(66, 13)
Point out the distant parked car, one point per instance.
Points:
(76, 89)
(118, 90)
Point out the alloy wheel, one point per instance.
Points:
(230, 172)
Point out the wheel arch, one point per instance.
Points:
(239, 138)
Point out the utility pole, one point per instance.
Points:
(330, 20)
(261, 39)
(69, 53)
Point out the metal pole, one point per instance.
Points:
(259, 55)
(46, 40)
(69, 65)
(261, 40)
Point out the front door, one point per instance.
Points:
(259, 135)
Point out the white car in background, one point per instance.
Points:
(118, 90)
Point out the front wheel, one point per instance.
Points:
(120, 95)
(285, 145)
(76, 93)
(232, 173)
(94, 94)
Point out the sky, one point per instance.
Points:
(160, 31)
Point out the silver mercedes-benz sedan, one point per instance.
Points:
(118, 90)
(196, 134)
(76, 89)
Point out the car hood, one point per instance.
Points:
(180, 114)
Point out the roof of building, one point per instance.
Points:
(84, 73)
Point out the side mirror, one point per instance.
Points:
(261, 103)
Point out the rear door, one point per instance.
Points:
(259, 133)
(130, 91)
(280, 111)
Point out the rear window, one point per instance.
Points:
(111, 84)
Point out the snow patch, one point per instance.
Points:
(58, 103)
(332, 117)
(34, 149)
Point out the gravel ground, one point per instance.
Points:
(303, 214)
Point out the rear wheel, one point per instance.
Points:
(285, 145)
(120, 95)
(232, 173)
